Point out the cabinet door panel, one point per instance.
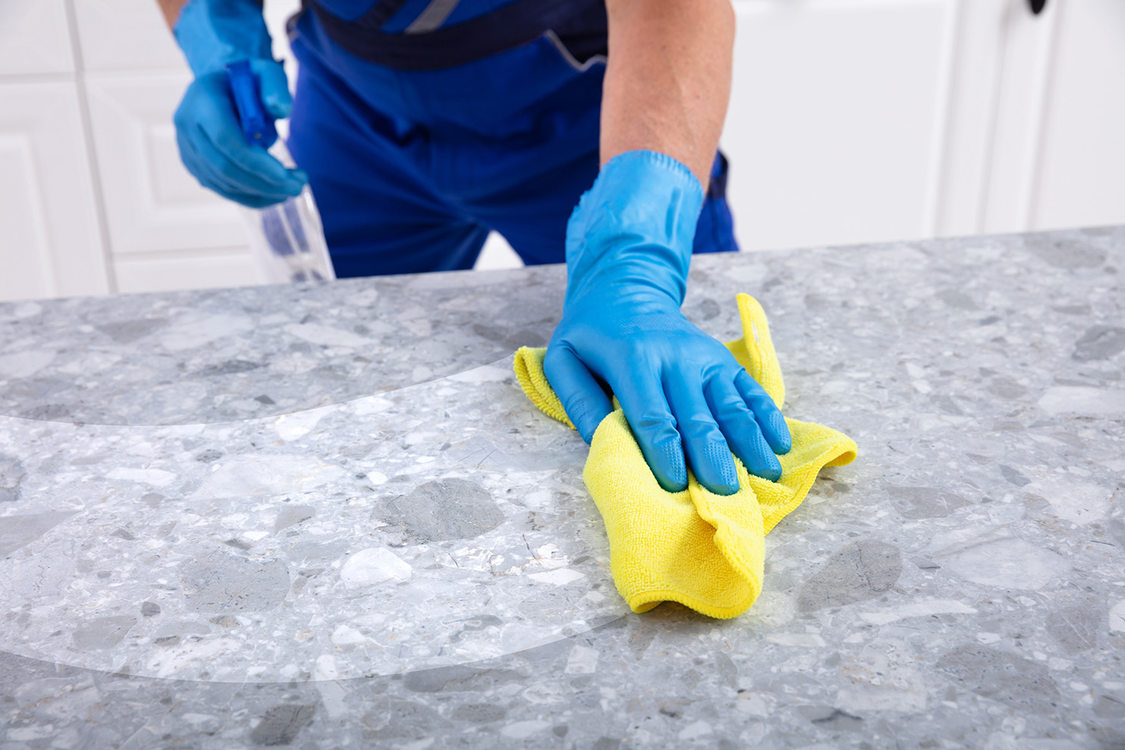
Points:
(171, 271)
(152, 203)
(34, 37)
(51, 241)
(125, 35)
(1081, 175)
(836, 121)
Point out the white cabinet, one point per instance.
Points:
(51, 243)
(836, 120)
(869, 120)
(152, 203)
(1080, 175)
(850, 121)
(34, 38)
(165, 231)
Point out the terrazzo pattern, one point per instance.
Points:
(217, 522)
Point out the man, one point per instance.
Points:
(423, 124)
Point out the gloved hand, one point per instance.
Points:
(211, 34)
(628, 247)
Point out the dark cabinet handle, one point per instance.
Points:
(1037, 6)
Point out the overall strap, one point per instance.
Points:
(428, 46)
(378, 14)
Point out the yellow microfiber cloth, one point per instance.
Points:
(703, 550)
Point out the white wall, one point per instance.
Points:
(850, 121)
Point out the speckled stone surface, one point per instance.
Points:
(327, 517)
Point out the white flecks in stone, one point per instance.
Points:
(154, 477)
(987, 638)
(549, 556)
(522, 730)
(909, 698)
(370, 405)
(883, 677)
(582, 660)
(326, 668)
(594, 597)
(559, 577)
(191, 653)
(255, 536)
(92, 363)
(800, 640)
(754, 704)
(24, 364)
(921, 386)
(235, 520)
(917, 609)
(915, 371)
(267, 474)
(773, 609)
(1009, 563)
(334, 697)
(29, 734)
(536, 499)
(1075, 399)
(1080, 502)
(26, 310)
(695, 730)
(486, 374)
(372, 566)
(198, 719)
(344, 635)
(204, 330)
(327, 335)
(293, 426)
(1117, 617)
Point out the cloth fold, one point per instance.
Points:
(702, 550)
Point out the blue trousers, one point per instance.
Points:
(411, 170)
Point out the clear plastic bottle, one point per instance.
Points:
(286, 239)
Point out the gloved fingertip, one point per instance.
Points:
(772, 472)
(274, 87)
(719, 475)
(586, 422)
(669, 467)
(279, 104)
(782, 441)
(670, 486)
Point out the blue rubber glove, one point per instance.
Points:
(211, 34)
(628, 247)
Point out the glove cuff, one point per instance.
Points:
(212, 33)
(639, 219)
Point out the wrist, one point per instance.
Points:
(636, 225)
(212, 33)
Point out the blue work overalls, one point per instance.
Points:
(423, 124)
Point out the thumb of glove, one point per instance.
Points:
(273, 87)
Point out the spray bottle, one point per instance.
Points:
(286, 239)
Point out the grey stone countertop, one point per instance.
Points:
(326, 516)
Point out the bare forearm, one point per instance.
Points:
(667, 83)
(171, 10)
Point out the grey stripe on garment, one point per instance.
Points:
(433, 16)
